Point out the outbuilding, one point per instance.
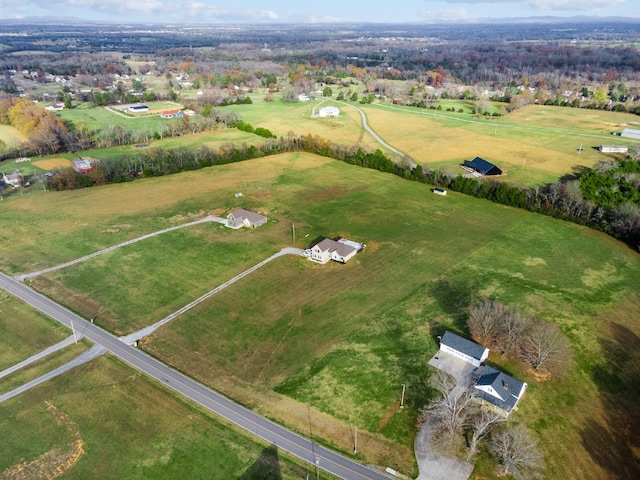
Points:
(329, 112)
(630, 133)
(613, 149)
(463, 349)
(481, 166)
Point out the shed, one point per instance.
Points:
(463, 349)
(483, 167)
(613, 149)
(82, 165)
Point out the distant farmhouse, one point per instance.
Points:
(172, 113)
(329, 112)
(337, 250)
(492, 388)
(82, 165)
(15, 179)
(481, 167)
(613, 149)
(630, 133)
(244, 218)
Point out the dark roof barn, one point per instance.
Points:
(483, 167)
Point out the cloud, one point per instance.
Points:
(447, 15)
(548, 5)
(156, 10)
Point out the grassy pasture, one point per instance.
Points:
(343, 338)
(546, 149)
(130, 428)
(98, 117)
(24, 331)
(282, 118)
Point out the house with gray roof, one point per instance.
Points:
(329, 249)
(15, 179)
(499, 391)
(463, 349)
(245, 218)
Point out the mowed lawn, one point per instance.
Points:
(25, 331)
(111, 422)
(336, 342)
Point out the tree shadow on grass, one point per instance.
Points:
(454, 299)
(614, 441)
(266, 467)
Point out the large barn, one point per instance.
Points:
(483, 167)
(630, 133)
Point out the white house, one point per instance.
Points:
(329, 112)
(14, 179)
(498, 390)
(244, 218)
(329, 249)
(463, 349)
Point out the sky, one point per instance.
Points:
(309, 11)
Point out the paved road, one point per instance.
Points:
(47, 351)
(275, 434)
(209, 218)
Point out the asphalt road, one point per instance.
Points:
(275, 434)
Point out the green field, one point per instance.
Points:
(110, 422)
(24, 331)
(341, 339)
(97, 118)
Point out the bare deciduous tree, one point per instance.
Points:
(447, 415)
(485, 319)
(518, 454)
(545, 347)
(480, 423)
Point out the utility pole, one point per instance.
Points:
(355, 442)
(402, 398)
(75, 339)
(293, 229)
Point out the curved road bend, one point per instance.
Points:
(270, 432)
(365, 125)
